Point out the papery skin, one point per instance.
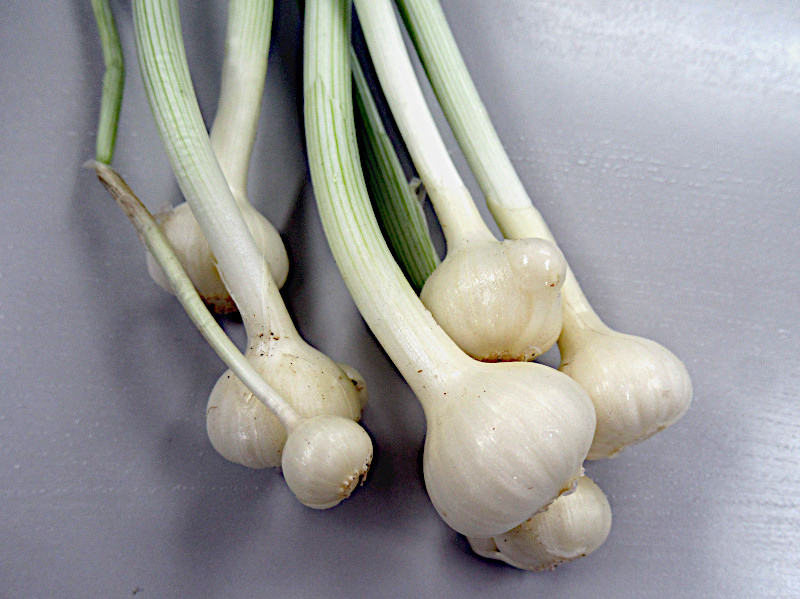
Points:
(246, 432)
(499, 301)
(503, 442)
(573, 526)
(190, 245)
(325, 459)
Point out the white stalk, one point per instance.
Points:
(503, 440)
(637, 386)
(573, 526)
(232, 137)
(240, 428)
(498, 301)
(326, 456)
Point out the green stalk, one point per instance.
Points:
(509, 203)
(165, 73)
(113, 81)
(402, 325)
(399, 209)
(244, 71)
(152, 237)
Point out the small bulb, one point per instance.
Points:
(573, 526)
(325, 459)
(499, 301)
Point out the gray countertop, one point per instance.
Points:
(661, 141)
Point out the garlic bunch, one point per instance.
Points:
(573, 526)
(637, 386)
(181, 228)
(244, 431)
(499, 301)
(503, 440)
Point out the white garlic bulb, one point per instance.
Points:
(325, 458)
(499, 301)
(637, 386)
(245, 431)
(190, 245)
(502, 442)
(573, 526)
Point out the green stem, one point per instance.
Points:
(399, 209)
(244, 70)
(461, 222)
(402, 325)
(113, 81)
(153, 238)
(165, 72)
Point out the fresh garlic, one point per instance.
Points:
(244, 431)
(499, 301)
(503, 441)
(325, 458)
(637, 386)
(573, 526)
(191, 247)
(232, 137)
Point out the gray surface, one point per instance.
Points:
(661, 140)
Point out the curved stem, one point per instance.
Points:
(113, 81)
(151, 236)
(506, 197)
(453, 204)
(244, 71)
(419, 348)
(165, 73)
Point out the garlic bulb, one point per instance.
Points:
(499, 301)
(637, 386)
(503, 441)
(573, 526)
(191, 247)
(246, 432)
(325, 458)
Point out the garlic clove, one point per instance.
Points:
(245, 431)
(499, 301)
(325, 459)
(637, 386)
(190, 245)
(504, 442)
(573, 526)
